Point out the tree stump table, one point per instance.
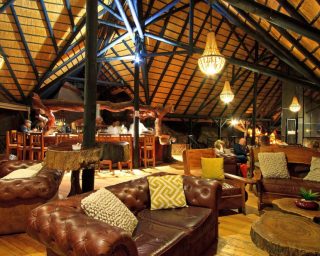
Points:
(286, 234)
(288, 205)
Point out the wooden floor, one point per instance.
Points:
(234, 229)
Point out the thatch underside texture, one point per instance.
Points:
(43, 44)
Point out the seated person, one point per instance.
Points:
(123, 129)
(240, 151)
(26, 127)
(219, 147)
(265, 141)
(142, 128)
(114, 128)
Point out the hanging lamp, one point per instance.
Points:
(212, 61)
(1, 61)
(294, 106)
(226, 95)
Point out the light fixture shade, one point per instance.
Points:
(107, 2)
(211, 62)
(226, 95)
(294, 106)
(1, 61)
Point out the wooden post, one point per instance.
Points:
(90, 88)
(254, 111)
(136, 116)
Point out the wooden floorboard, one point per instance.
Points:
(234, 229)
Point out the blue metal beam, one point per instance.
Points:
(5, 5)
(68, 7)
(61, 53)
(125, 19)
(46, 18)
(25, 44)
(13, 76)
(110, 10)
(160, 12)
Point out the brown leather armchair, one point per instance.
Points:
(19, 196)
(64, 229)
(234, 194)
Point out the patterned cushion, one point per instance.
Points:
(273, 165)
(166, 192)
(314, 173)
(212, 168)
(105, 206)
(29, 172)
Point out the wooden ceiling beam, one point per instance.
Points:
(270, 43)
(99, 82)
(7, 93)
(292, 11)
(277, 18)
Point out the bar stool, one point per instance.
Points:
(148, 150)
(11, 142)
(21, 145)
(36, 145)
(60, 137)
(104, 137)
(127, 138)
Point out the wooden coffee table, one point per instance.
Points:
(286, 234)
(288, 205)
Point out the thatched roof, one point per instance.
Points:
(43, 44)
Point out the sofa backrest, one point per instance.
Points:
(192, 160)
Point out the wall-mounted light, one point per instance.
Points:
(234, 122)
(137, 58)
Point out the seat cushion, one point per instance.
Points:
(314, 174)
(154, 239)
(188, 218)
(289, 186)
(230, 187)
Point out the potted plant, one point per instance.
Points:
(308, 200)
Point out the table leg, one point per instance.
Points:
(75, 183)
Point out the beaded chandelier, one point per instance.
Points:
(226, 95)
(1, 61)
(294, 106)
(212, 61)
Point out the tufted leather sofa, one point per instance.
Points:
(19, 196)
(298, 161)
(64, 229)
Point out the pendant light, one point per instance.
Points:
(1, 61)
(212, 61)
(294, 106)
(226, 95)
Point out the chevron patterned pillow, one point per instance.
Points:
(166, 192)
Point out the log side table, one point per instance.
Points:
(288, 205)
(286, 234)
(62, 157)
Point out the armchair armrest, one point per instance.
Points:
(202, 192)
(238, 178)
(64, 228)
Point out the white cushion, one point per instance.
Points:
(29, 172)
(273, 165)
(105, 206)
(314, 173)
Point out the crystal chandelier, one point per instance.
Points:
(294, 106)
(211, 62)
(226, 95)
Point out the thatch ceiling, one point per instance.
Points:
(43, 44)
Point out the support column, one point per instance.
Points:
(254, 112)
(136, 116)
(90, 88)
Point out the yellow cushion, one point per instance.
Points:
(212, 168)
(166, 192)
